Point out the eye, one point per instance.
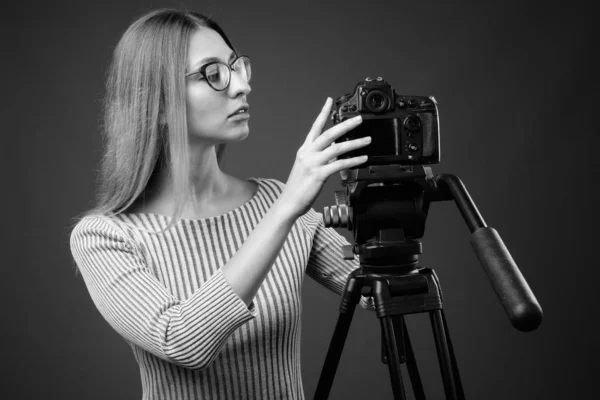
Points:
(213, 73)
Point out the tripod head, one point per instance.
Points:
(385, 206)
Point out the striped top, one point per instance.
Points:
(191, 334)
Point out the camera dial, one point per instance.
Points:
(412, 123)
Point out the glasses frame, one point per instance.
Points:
(202, 71)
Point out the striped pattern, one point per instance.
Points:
(191, 335)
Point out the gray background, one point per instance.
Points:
(515, 82)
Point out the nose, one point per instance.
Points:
(238, 85)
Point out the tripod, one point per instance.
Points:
(388, 221)
(395, 296)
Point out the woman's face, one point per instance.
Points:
(209, 112)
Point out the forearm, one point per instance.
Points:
(249, 266)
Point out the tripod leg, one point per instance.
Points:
(332, 359)
(411, 364)
(443, 352)
(459, 388)
(393, 357)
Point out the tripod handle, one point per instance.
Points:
(512, 289)
(510, 286)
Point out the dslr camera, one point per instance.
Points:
(404, 129)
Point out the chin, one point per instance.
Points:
(242, 132)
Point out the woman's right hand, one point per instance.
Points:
(316, 160)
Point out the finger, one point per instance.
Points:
(337, 149)
(317, 126)
(335, 132)
(343, 164)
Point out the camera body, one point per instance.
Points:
(404, 129)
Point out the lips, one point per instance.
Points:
(244, 107)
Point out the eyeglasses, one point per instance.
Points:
(218, 74)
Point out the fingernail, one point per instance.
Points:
(357, 118)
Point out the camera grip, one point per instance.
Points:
(510, 286)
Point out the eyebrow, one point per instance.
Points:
(212, 59)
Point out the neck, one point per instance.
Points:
(207, 180)
(208, 184)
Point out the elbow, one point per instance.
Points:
(188, 349)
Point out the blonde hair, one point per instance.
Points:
(145, 125)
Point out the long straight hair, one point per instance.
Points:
(145, 123)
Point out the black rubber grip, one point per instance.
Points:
(512, 289)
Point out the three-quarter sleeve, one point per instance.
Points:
(326, 263)
(189, 333)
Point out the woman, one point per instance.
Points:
(199, 271)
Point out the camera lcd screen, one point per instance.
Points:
(385, 136)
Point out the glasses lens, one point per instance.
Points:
(217, 75)
(242, 67)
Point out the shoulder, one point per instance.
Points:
(100, 244)
(95, 227)
(310, 221)
(269, 187)
(272, 184)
